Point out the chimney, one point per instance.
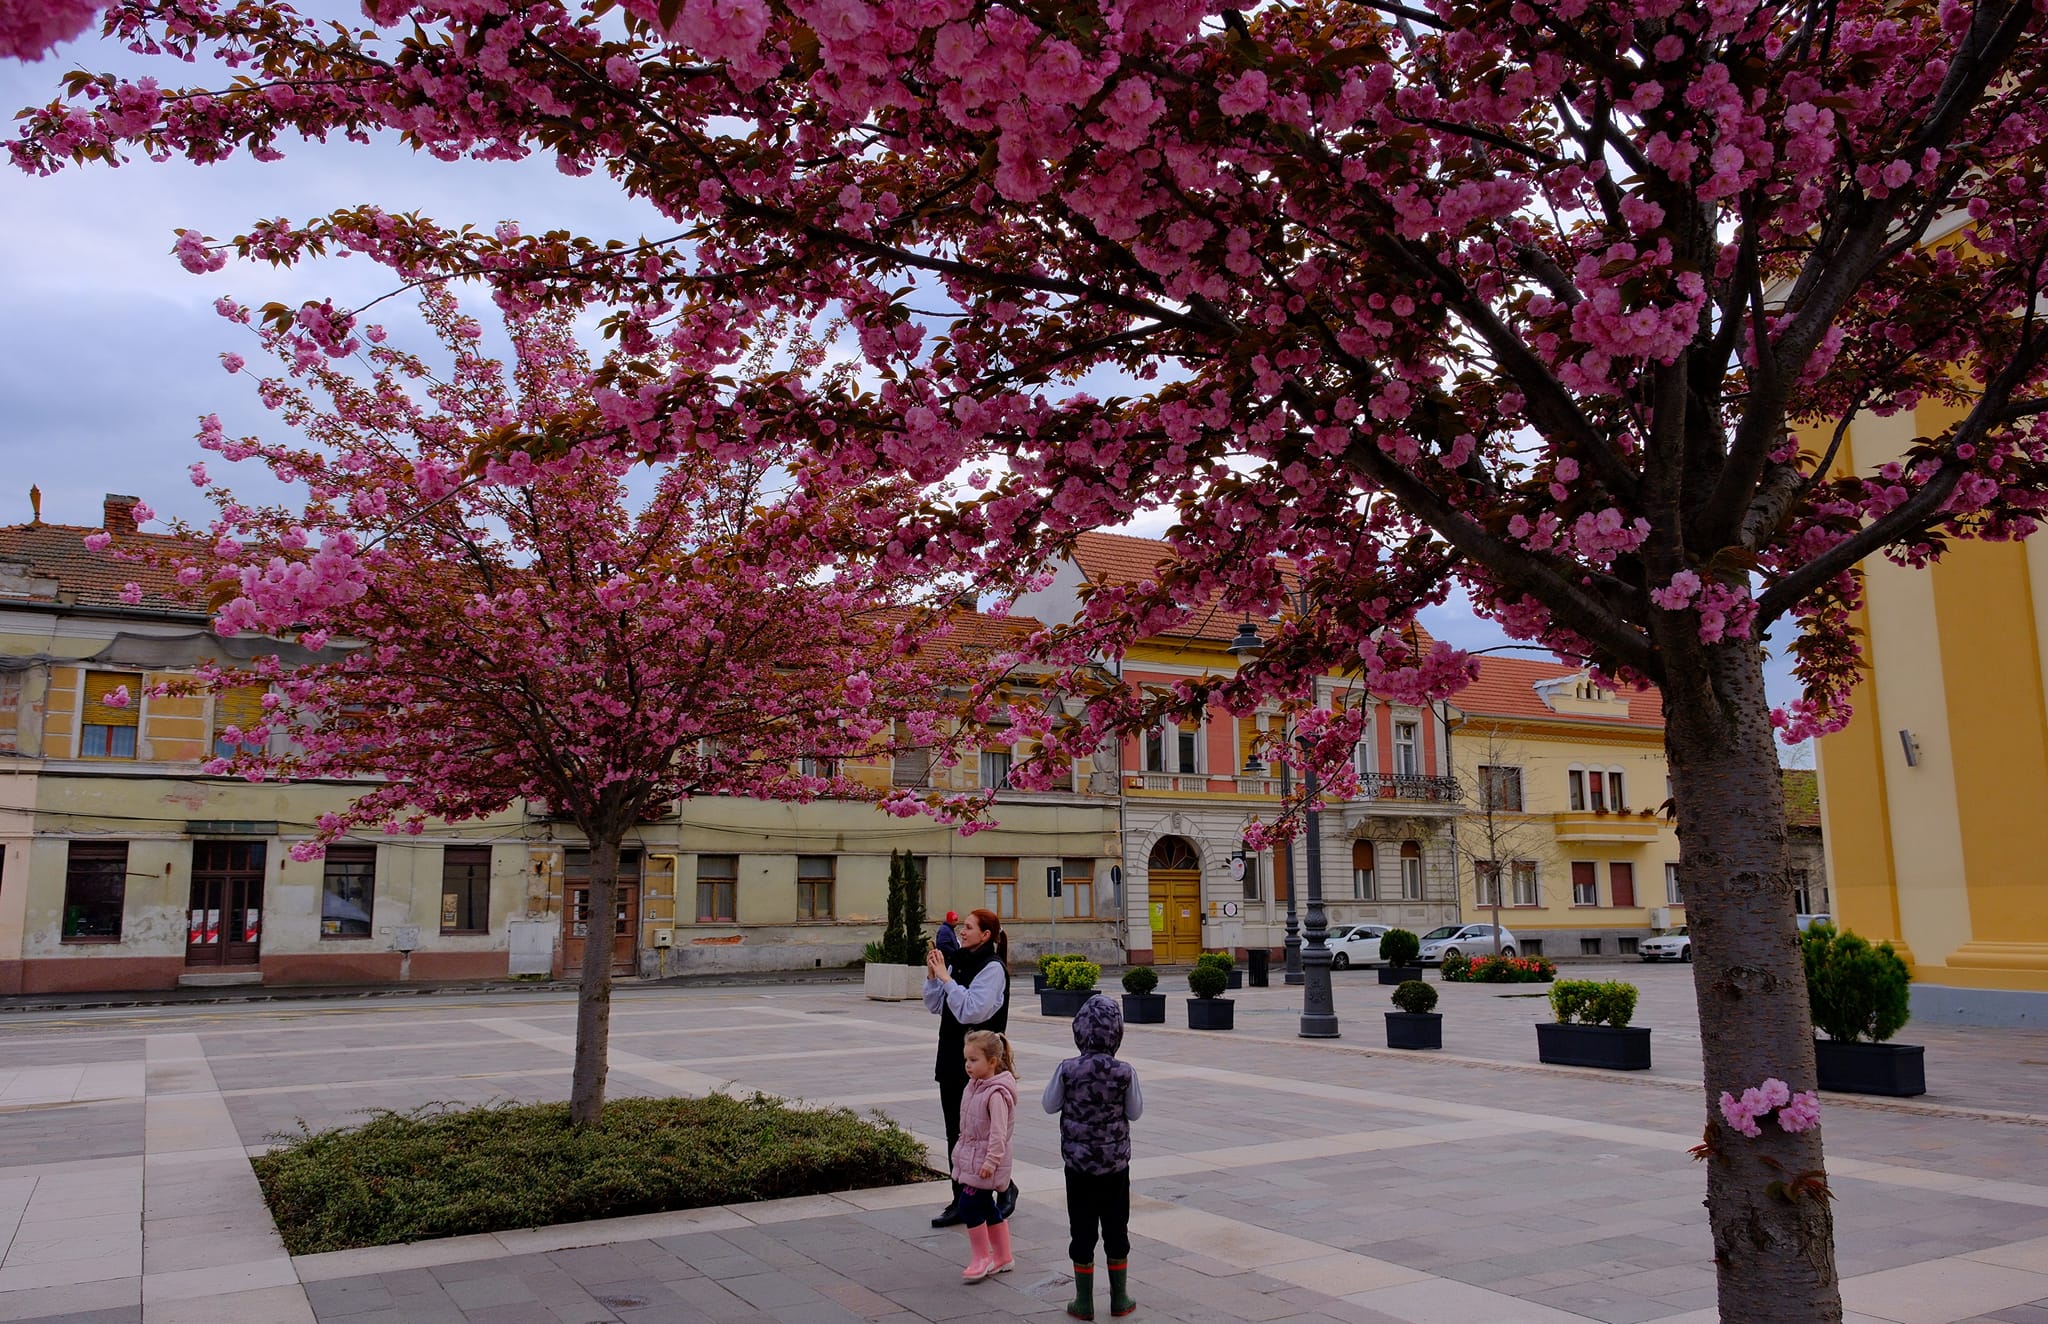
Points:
(118, 513)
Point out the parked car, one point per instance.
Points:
(1465, 940)
(1359, 945)
(1808, 921)
(1672, 946)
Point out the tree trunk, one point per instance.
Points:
(1774, 1250)
(594, 995)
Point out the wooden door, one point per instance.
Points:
(625, 922)
(225, 922)
(1174, 877)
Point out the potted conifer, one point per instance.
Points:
(1417, 1024)
(894, 971)
(1858, 994)
(1069, 982)
(1141, 1005)
(1592, 1028)
(1209, 1009)
(1399, 948)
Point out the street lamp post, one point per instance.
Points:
(1308, 951)
(1291, 943)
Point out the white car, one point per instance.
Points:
(1463, 940)
(1672, 946)
(1355, 944)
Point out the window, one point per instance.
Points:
(1155, 749)
(995, 769)
(1621, 884)
(814, 877)
(908, 766)
(1585, 884)
(718, 878)
(1802, 893)
(348, 891)
(1407, 749)
(10, 710)
(237, 710)
(1077, 889)
(1500, 788)
(1186, 749)
(1488, 882)
(1576, 780)
(1589, 946)
(1627, 945)
(1596, 790)
(1674, 894)
(1532, 946)
(1363, 885)
(1615, 800)
(999, 886)
(95, 890)
(811, 765)
(466, 889)
(1411, 871)
(105, 731)
(1524, 874)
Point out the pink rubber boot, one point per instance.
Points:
(999, 1248)
(981, 1266)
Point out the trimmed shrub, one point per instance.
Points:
(1140, 980)
(1856, 991)
(1414, 997)
(1072, 974)
(439, 1172)
(1220, 960)
(1592, 1002)
(1049, 959)
(1207, 981)
(1455, 965)
(1399, 947)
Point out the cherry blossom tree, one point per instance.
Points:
(488, 631)
(1567, 303)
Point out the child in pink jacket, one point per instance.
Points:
(981, 1161)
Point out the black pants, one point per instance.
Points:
(979, 1207)
(950, 1094)
(1098, 1201)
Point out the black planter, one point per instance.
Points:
(1211, 1014)
(1236, 979)
(1899, 1070)
(1144, 1009)
(1415, 1029)
(1038, 983)
(1063, 1002)
(1399, 974)
(1623, 1049)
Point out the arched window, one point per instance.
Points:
(1364, 887)
(1411, 871)
(1174, 853)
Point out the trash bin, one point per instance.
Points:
(1259, 958)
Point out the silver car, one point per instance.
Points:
(1672, 946)
(1463, 940)
(1355, 944)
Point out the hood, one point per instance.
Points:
(1099, 1026)
(1000, 1083)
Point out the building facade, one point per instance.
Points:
(1563, 833)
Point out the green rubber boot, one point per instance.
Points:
(1120, 1302)
(1083, 1304)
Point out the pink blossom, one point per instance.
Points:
(29, 28)
(98, 540)
(118, 697)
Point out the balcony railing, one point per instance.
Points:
(1408, 786)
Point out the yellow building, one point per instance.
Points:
(1936, 795)
(122, 866)
(1565, 781)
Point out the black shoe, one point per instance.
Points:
(950, 1216)
(1006, 1203)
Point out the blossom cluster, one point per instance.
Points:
(1774, 1098)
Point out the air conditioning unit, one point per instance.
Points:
(1660, 917)
(664, 937)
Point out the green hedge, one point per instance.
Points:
(1463, 969)
(1072, 973)
(1592, 1002)
(438, 1172)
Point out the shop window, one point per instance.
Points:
(348, 891)
(95, 891)
(466, 889)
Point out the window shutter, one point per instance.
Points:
(98, 685)
(240, 708)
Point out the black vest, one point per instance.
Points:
(952, 1034)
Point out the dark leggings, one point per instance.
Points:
(1098, 1201)
(978, 1207)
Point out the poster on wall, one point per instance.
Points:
(1158, 917)
(252, 925)
(195, 932)
(212, 927)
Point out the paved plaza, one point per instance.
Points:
(1277, 1179)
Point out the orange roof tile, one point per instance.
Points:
(1506, 687)
(88, 578)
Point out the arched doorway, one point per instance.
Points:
(1173, 876)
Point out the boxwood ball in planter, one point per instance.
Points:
(1399, 948)
(1232, 976)
(1417, 1024)
(1142, 1006)
(1592, 1028)
(1069, 982)
(1209, 1009)
(1858, 995)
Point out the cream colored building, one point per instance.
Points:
(1564, 783)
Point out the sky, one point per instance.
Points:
(110, 350)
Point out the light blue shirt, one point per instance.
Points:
(971, 1004)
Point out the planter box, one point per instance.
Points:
(1038, 983)
(1624, 1049)
(893, 983)
(1144, 1009)
(1236, 979)
(1211, 1014)
(1415, 1029)
(1399, 974)
(1899, 1070)
(1063, 1002)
